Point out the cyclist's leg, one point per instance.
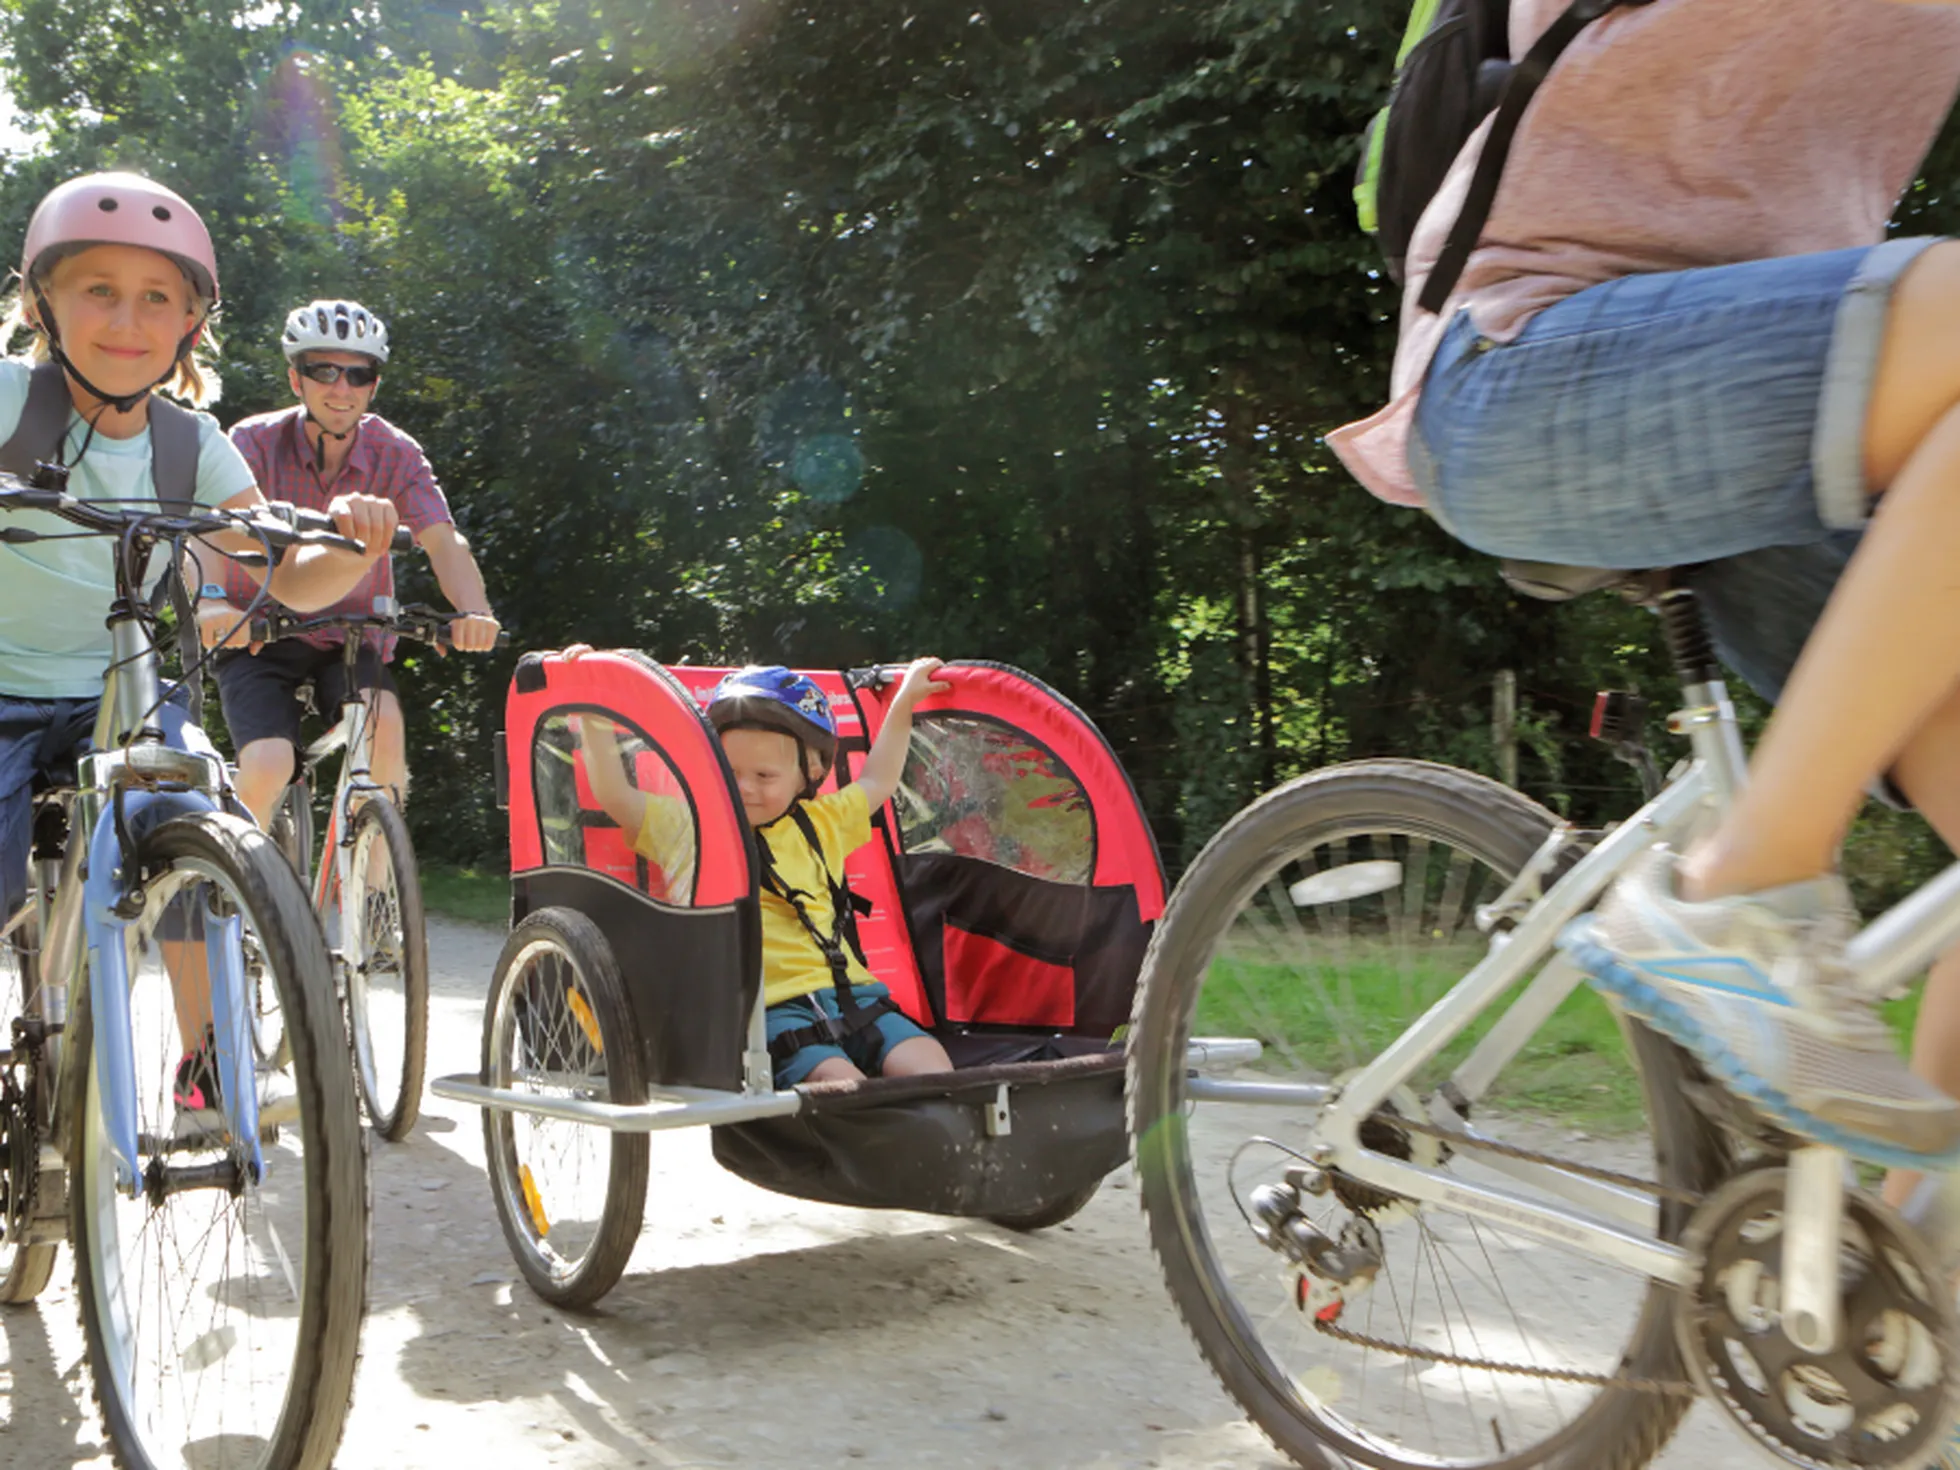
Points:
(259, 692)
(1813, 763)
(1668, 420)
(388, 752)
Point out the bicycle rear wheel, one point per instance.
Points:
(1323, 921)
(386, 950)
(222, 1314)
(570, 1196)
(24, 1118)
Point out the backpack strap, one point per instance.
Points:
(174, 446)
(43, 422)
(1519, 88)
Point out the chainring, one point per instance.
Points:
(1884, 1397)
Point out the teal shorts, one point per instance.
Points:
(864, 1049)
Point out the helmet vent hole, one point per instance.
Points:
(107, 206)
(161, 212)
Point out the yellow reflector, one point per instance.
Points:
(587, 1022)
(533, 1201)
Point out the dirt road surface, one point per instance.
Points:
(750, 1329)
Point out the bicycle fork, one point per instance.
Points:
(106, 897)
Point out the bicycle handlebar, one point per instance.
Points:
(274, 523)
(418, 621)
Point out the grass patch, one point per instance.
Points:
(1331, 1017)
(1342, 1007)
(480, 896)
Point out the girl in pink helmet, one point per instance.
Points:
(118, 282)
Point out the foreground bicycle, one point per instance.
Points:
(1460, 1213)
(366, 868)
(220, 1256)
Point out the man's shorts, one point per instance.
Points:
(865, 1049)
(259, 691)
(1711, 420)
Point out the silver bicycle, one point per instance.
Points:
(220, 1249)
(366, 886)
(1462, 1213)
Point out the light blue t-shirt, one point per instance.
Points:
(55, 594)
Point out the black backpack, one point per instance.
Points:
(1453, 68)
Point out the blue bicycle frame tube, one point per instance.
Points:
(115, 1051)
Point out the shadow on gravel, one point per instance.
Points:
(35, 1399)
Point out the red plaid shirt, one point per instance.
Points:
(383, 461)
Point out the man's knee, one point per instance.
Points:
(266, 763)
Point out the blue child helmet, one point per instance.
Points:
(771, 697)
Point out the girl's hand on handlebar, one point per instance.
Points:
(368, 519)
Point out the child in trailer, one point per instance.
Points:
(828, 1019)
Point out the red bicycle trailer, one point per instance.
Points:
(1013, 886)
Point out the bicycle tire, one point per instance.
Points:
(391, 1080)
(555, 953)
(299, 1233)
(25, 1092)
(1619, 1428)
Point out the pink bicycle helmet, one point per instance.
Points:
(121, 209)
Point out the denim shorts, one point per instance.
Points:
(865, 1049)
(44, 738)
(1710, 420)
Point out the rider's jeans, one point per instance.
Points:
(39, 737)
(1708, 418)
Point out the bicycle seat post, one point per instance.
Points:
(1707, 717)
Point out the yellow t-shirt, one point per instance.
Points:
(792, 964)
(666, 841)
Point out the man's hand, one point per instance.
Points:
(919, 682)
(473, 632)
(368, 519)
(220, 625)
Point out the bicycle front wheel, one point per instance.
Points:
(222, 1313)
(1322, 922)
(386, 950)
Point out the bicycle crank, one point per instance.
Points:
(1882, 1394)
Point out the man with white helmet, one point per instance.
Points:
(328, 444)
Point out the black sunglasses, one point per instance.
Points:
(333, 372)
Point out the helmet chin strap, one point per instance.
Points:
(320, 447)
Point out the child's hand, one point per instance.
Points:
(574, 652)
(919, 682)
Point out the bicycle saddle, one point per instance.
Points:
(1551, 581)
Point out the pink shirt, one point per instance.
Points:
(383, 461)
(1680, 134)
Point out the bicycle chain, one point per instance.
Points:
(1679, 1387)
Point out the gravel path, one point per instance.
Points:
(750, 1330)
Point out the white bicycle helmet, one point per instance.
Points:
(335, 326)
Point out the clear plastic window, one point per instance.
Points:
(610, 800)
(980, 789)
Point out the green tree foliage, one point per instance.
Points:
(835, 333)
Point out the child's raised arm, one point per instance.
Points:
(598, 742)
(886, 761)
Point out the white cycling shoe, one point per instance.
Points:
(1755, 988)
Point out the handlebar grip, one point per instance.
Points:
(319, 522)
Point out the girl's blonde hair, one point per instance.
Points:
(195, 379)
